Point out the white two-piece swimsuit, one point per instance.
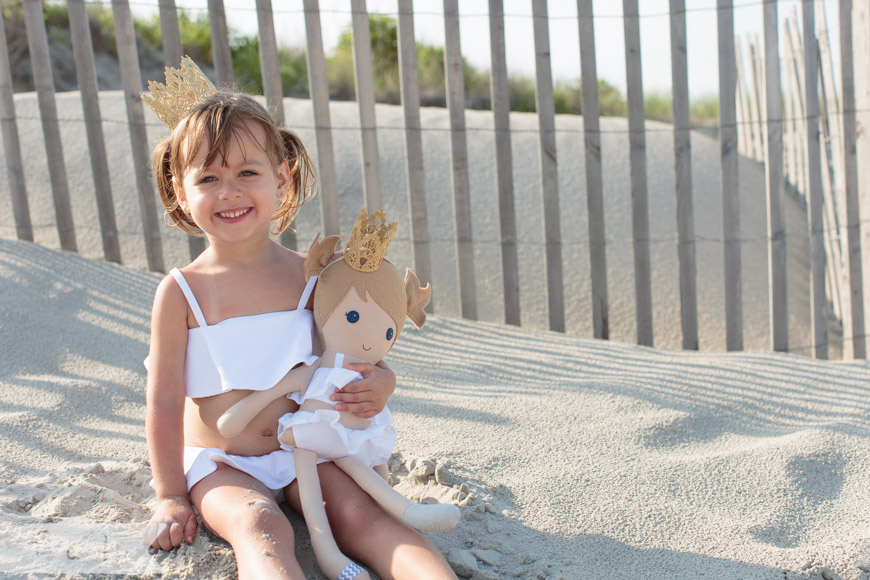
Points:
(246, 352)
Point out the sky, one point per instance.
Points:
(701, 26)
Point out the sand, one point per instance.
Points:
(570, 458)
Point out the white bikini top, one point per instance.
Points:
(246, 352)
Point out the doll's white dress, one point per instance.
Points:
(320, 431)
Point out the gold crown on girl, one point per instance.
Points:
(368, 241)
(185, 88)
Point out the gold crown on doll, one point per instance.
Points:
(368, 241)
(185, 88)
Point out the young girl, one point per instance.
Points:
(237, 316)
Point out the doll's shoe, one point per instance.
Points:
(353, 571)
(436, 517)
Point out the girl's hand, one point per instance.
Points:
(172, 522)
(368, 396)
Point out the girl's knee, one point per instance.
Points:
(260, 513)
(247, 517)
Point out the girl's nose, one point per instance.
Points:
(231, 189)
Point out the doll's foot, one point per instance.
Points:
(353, 571)
(437, 517)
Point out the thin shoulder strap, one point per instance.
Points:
(339, 360)
(306, 294)
(188, 293)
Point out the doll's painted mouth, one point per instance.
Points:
(365, 348)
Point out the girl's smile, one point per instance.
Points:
(234, 215)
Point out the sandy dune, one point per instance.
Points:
(571, 458)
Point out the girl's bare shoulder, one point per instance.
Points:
(169, 300)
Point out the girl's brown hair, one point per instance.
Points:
(218, 122)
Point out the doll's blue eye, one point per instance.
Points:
(389, 334)
(352, 316)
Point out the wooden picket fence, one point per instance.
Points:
(807, 146)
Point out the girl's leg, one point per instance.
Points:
(367, 533)
(244, 512)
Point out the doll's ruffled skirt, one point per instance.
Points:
(320, 431)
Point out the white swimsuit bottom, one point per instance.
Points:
(275, 470)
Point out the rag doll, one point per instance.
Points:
(360, 304)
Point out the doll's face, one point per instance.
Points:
(359, 328)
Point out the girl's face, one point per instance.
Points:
(359, 328)
(233, 198)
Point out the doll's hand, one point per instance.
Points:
(172, 522)
(368, 396)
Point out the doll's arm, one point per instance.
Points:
(237, 417)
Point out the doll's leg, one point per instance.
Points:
(244, 512)
(426, 517)
(366, 532)
(383, 471)
(333, 563)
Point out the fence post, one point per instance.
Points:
(459, 159)
(744, 119)
(37, 43)
(545, 107)
(775, 183)
(220, 42)
(594, 179)
(131, 82)
(729, 177)
(83, 55)
(318, 88)
(756, 98)
(272, 84)
(860, 23)
(832, 142)
(850, 175)
(683, 170)
(818, 300)
(504, 164)
(12, 144)
(414, 143)
(639, 187)
(172, 54)
(365, 98)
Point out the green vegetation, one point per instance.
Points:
(196, 41)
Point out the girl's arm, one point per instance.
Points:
(237, 417)
(173, 519)
(367, 397)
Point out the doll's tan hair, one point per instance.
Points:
(219, 122)
(398, 297)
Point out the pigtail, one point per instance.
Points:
(303, 180)
(161, 164)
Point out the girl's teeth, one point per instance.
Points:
(232, 214)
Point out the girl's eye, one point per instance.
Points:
(352, 316)
(207, 179)
(389, 334)
(247, 173)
